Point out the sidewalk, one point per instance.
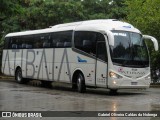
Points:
(155, 85)
(5, 77)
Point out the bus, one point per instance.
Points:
(103, 53)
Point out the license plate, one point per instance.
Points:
(134, 83)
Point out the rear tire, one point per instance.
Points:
(81, 83)
(19, 78)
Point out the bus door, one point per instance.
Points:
(101, 65)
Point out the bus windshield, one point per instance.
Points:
(129, 50)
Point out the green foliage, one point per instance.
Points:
(144, 14)
(20, 15)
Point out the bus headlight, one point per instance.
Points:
(148, 77)
(114, 75)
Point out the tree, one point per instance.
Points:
(117, 9)
(7, 9)
(144, 14)
(19, 15)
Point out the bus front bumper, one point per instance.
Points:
(129, 84)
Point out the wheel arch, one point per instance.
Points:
(75, 73)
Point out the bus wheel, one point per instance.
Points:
(81, 83)
(113, 92)
(18, 76)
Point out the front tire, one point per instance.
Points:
(81, 83)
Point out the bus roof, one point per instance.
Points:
(90, 25)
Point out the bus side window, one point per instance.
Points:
(38, 41)
(101, 51)
(67, 44)
(85, 41)
(62, 39)
(46, 45)
(14, 46)
(100, 37)
(6, 43)
(29, 42)
(46, 40)
(59, 44)
(14, 43)
(101, 47)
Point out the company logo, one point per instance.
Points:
(120, 69)
(133, 72)
(81, 60)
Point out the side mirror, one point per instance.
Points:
(154, 40)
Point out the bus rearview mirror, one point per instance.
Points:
(154, 40)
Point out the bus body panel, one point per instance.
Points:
(101, 74)
(87, 65)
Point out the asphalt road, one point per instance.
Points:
(32, 97)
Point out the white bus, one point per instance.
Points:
(96, 53)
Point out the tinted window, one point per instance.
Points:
(100, 37)
(14, 43)
(29, 41)
(85, 41)
(102, 51)
(62, 39)
(6, 43)
(42, 40)
(45, 40)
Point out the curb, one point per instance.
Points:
(12, 78)
(154, 86)
(6, 77)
